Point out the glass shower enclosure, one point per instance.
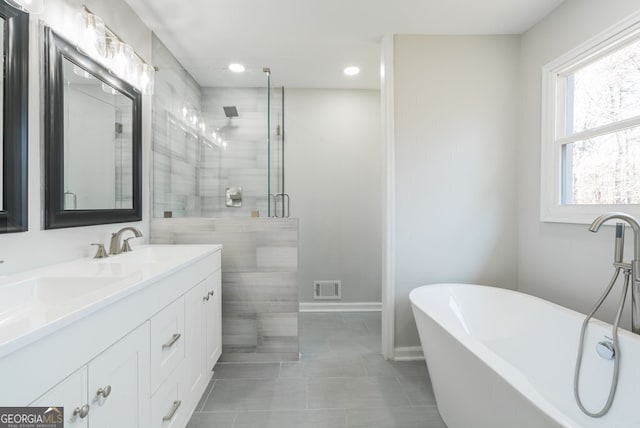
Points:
(219, 151)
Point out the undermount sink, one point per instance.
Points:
(40, 300)
(53, 290)
(36, 303)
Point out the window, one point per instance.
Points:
(591, 128)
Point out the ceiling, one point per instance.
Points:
(308, 43)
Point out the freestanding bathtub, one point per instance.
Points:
(499, 358)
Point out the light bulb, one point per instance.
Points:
(93, 35)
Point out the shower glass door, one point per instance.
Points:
(218, 151)
(278, 198)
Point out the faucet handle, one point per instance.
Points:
(101, 253)
(126, 247)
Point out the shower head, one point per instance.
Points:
(230, 111)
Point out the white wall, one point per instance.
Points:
(333, 175)
(563, 263)
(39, 247)
(456, 100)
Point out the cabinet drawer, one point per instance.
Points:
(167, 342)
(168, 408)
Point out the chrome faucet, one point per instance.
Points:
(115, 247)
(635, 263)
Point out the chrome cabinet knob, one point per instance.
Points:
(211, 293)
(81, 411)
(207, 297)
(104, 392)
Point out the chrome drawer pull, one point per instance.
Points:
(172, 412)
(104, 391)
(172, 341)
(81, 411)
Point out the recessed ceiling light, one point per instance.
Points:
(237, 68)
(351, 71)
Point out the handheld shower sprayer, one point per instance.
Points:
(619, 249)
(609, 348)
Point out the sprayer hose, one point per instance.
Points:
(616, 362)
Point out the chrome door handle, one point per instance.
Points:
(172, 412)
(81, 411)
(105, 392)
(172, 341)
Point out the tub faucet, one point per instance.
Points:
(115, 247)
(635, 263)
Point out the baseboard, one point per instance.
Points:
(408, 353)
(340, 307)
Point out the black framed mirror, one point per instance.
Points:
(93, 140)
(14, 30)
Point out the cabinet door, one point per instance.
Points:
(119, 383)
(196, 379)
(213, 319)
(71, 394)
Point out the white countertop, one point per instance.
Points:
(35, 303)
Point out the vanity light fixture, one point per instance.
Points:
(351, 70)
(236, 68)
(147, 74)
(104, 45)
(93, 37)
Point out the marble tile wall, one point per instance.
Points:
(184, 159)
(244, 161)
(259, 281)
(191, 168)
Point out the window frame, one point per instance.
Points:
(552, 174)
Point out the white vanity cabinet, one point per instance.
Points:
(111, 390)
(140, 360)
(213, 317)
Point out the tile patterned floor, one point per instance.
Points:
(341, 381)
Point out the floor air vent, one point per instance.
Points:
(327, 289)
